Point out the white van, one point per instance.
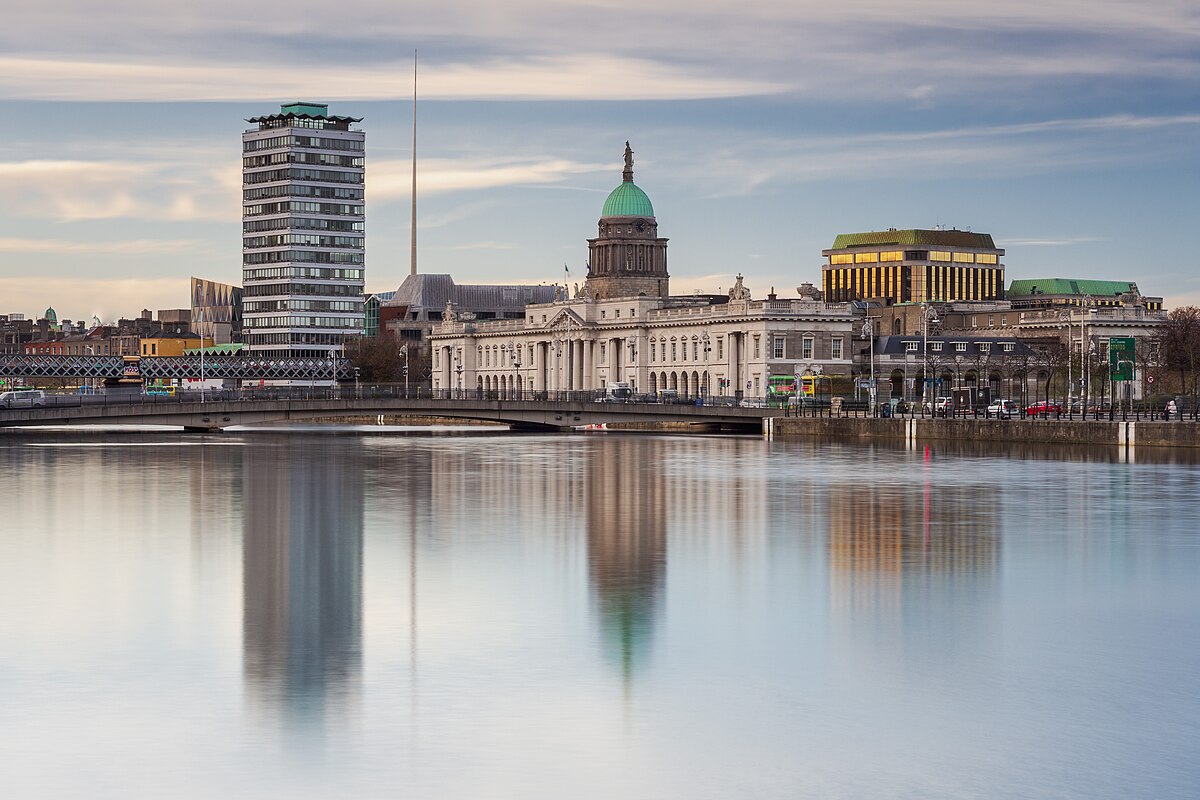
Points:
(29, 398)
(618, 392)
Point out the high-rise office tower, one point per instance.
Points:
(302, 232)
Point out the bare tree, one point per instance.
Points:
(1179, 347)
(379, 360)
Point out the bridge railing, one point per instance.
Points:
(126, 396)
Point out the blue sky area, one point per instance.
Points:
(1068, 130)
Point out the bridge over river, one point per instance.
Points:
(548, 412)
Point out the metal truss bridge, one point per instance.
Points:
(241, 367)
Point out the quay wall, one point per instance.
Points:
(1124, 434)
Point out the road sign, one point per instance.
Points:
(1150, 379)
(1121, 363)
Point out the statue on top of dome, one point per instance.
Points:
(628, 173)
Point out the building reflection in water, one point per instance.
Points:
(912, 557)
(626, 542)
(302, 551)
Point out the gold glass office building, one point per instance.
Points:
(913, 266)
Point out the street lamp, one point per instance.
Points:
(868, 332)
(1065, 316)
(928, 315)
(458, 369)
(516, 365)
(404, 353)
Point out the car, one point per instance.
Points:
(1004, 409)
(1043, 407)
(943, 406)
(23, 398)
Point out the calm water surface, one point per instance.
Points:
(492, 616)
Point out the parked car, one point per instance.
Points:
(1004, 409)
(944, 406)
(1044, 407)
(23, 398)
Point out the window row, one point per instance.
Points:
(302, 223)
(306, 289)
(302, 207)
(320, 159)
(328, 273)
(301, 174)
(304, 239)
(290, 321)
(320, 142)
(303, 190)
(311, 256)
(261, 306)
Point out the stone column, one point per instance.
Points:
(589, 375)
(642, 346)
(539, 367)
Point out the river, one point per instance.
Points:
(322, 613)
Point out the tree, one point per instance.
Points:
(379, 360)
(1179, 346)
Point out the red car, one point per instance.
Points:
(1043, 407)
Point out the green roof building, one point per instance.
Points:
(627, 258)
(913, 266)
(1044, 292)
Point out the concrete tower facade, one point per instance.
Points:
(302, 232)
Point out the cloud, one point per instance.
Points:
(94, 190)
(83, 298)
(391, 179)
(134, 247)
(1022, 148)
(533, 78)
(1031, 242)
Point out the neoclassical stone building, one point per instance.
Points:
(623, 326)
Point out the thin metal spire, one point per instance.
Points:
(412, 255)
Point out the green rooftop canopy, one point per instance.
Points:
(916, 238)
(1069, 286)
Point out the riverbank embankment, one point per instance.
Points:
(1102, 432)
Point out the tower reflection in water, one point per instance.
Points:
(302, 550)
(626, 542)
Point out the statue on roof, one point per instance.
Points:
(448, 312)
(628, 174)
(739, 291)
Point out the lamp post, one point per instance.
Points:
(928, 315)
(1066, 318)
(516, 366)
(868, 332)
(404, 353)
(706, 343)
(458, 369)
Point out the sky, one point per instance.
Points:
(1068, 130)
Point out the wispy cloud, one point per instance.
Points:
(91, 190)
(125, 248)
(535, 78)
(1061, 242)
(83, 298)
(390, 179)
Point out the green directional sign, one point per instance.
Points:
(1121, 364)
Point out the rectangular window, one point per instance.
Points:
(964, 258)
(1007, 347)
(602, 313)
(866, 258)
(674, 352)
(720, 349)
(653, 352)
(991, 320)
(603, 353)
(835, 348)
(757, 347)
(695, 350)
(616, 313)
(910, 347)
(806, 347)
(633, 312)
(841, 258)
(985, 258)
(960, 347)
(939, 255)
(778, 347)
(935, 347)
(891, 255)
(984, 347)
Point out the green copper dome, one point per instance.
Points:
(627, 200)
